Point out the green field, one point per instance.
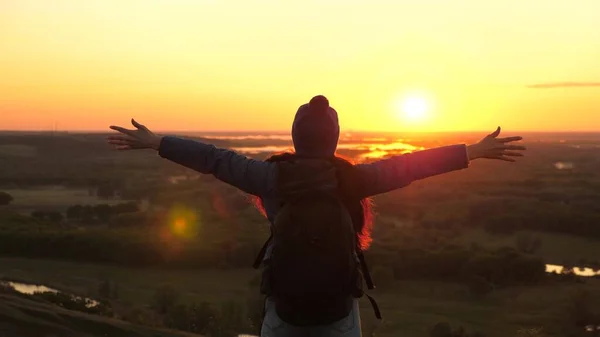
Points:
(136, 285)
(409, 307)
(560, 249)
(27, 318)
(435, 254)
(53, 198)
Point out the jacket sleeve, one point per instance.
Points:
(251, 176)
(399, 171)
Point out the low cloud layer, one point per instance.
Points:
(564, 85)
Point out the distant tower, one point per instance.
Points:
(55, 147)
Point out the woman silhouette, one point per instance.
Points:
(315, 133)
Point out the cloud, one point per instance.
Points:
(564, 85)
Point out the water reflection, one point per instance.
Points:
(261, 149)
(374, 154)
(285, 136)
(374, 150)
(375, 139)
(588, 272)
(30, 289)
(564, 165)
(249, 137)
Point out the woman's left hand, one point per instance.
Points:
(141, 138)
(492, 147)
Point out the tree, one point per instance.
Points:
(38, 214)
(479, 286)
(165, 298)
(87, 214)
(105, 191)
(104, 289)
(230, 320)
(54, 216)
(179, 318)
(533, 332)
(75, 212)
(129, 219)
(128, 207)
(5, 199)
(103, 212)
(442, 329)
(528, 244)
(115, 291)
(580, 308)
(204, 317)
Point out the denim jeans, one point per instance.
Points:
(273, 326)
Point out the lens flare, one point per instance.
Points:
(183, 222)
(220, 206)
(179, 226)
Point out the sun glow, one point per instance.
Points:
(413, 108)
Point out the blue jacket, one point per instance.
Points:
(258, 177)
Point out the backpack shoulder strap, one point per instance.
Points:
(375, 307)
(263, 251)
(365, 270)
(369, 282)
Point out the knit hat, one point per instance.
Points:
(316, 130)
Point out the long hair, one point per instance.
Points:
(360, 209)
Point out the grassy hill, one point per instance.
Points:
(21, 317)
(411, 307)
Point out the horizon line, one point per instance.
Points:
(288, 131)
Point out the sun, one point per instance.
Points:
(413, 108)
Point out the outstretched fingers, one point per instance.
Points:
(512, 154)
(120, 142)
(500, 157)
(509, 139)
(128, 139)
(507, 159)
(123, 147)
(138, 125)
(513, 147)
(122, 130)
(120, 139)
(129, 147)
(495, 133)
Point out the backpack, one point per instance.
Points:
(316, 268)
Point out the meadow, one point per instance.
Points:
(462, 254)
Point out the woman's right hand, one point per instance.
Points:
(492, 147)
(141, 138)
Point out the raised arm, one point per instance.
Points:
(251, 176)
(399, 171)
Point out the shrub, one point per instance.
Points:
(165, 298)
(527, 243)
(442, 329)
(479, 286)
(5, 199)
(580, 309)
(531, 332)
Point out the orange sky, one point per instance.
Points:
(247, 65)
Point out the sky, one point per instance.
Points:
(183, 65)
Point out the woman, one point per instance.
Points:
(315, 133)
